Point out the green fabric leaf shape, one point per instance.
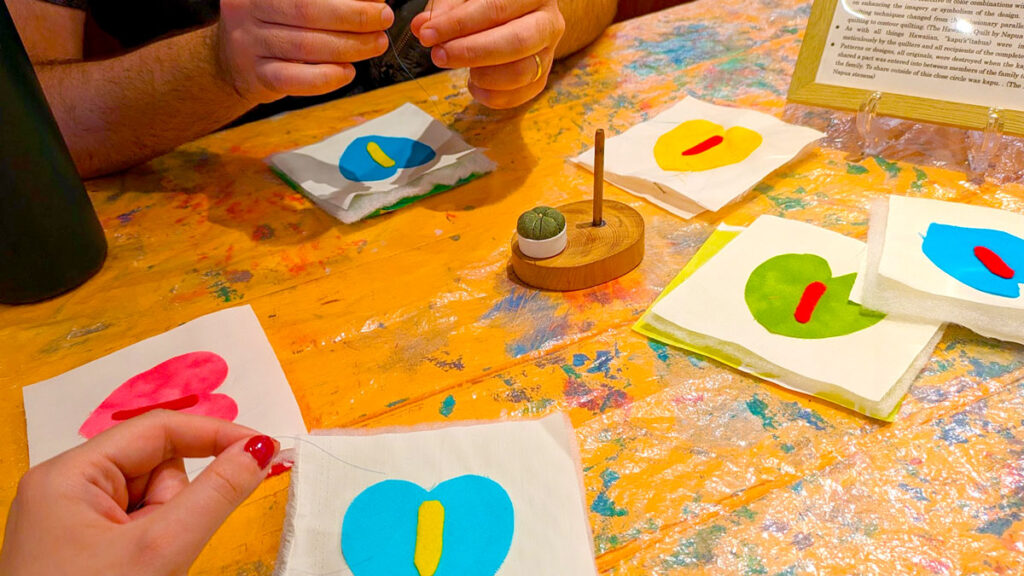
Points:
(776, 287)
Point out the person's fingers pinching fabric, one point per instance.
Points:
(121, 503)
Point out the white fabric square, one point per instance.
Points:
(317, 169)
(864, 365)
(630, 161)
(534, 462)
(201, 367)
(925, 260)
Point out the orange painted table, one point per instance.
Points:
(414, 317)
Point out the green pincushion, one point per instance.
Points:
(540, 223)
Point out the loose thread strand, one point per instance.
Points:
(394, 50)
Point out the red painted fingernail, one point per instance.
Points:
(278, 469)
(262, 449)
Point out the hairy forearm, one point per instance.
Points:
(122, 111)
(585, 20)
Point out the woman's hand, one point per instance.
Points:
(122, 504)
(508, 45)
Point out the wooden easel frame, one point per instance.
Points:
(805, 90)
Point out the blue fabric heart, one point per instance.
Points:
(358, 165)
(378, 534)
(951, 248)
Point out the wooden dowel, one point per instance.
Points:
(598, 178)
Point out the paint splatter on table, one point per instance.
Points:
(690, 467)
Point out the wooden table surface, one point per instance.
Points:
(414, 318)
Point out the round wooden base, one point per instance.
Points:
(594, 254)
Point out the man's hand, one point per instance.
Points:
(508, 45)
(268, 49)
(122, 504)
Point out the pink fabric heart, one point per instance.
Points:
(184, 383)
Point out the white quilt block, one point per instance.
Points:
(372, 167)
(220, 365)
(461, 500)
(775, 302)
(697, 156)
(947, 262)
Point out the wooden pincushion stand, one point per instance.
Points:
(605, 241)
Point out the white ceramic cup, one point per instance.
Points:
(541, 249)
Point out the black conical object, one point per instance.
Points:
(50, 238)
